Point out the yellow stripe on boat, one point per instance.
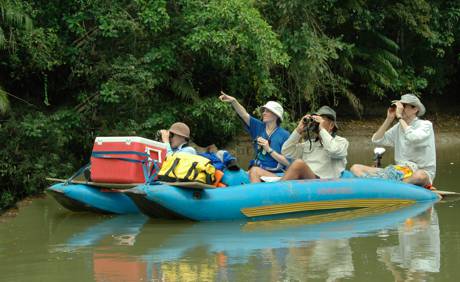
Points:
(321, 218)
(321, 205)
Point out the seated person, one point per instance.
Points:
(177, 138)
(321, 157)
(267, 135)
(413, 140)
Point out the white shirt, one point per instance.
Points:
(326, 161)
(419, 248)
(415, 145)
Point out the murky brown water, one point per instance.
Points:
(45, 242)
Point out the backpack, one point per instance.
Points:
(185, 167)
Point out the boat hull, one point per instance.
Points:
(81, 197)
(264, 201)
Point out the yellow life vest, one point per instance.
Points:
(185, 167)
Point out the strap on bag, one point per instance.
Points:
(106, 155)
(149, 176)
(192, 169)
(80, 171)
(173, 168)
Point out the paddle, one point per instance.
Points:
(192, 185)
(446, 194)
(96, 184)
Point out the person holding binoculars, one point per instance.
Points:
(323, 155)
(177, 138)
(413, 140)
(267, 135)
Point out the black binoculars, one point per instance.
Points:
(306, 120)
(158, 136)
(310, 125)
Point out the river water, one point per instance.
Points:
(45, 242)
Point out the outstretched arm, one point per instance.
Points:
(240, 110)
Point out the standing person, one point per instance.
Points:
(267, 135)
(177, 138)
(322, 157)
(413, 140)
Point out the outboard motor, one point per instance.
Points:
(378, 153)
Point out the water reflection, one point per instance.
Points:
(130, 248)
(123, 230)
(418, 251)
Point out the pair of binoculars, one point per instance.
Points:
(310, 124)
(306, 120)
(158, 136)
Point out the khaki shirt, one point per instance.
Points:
(326, 161)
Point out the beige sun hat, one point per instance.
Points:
(275, 108)
(180, 128)
(413, 100)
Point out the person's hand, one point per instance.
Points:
(301, 125)
(320, 120)
(263, 143)
(399, 109)
(226, 98)
(164, 135)
(391, 113)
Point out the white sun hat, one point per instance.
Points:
(413, 100)
(275, 108)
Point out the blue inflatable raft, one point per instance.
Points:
(241, 199)
(84, 197)
(265, 201)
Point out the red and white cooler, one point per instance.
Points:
(124, 159)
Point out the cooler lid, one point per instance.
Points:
(128, 140)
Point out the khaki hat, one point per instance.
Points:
(180, 128)
(329, 113)
(275, 108)
(413, 100)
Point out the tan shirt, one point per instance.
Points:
(326, 161)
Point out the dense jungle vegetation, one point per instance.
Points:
(73, 70)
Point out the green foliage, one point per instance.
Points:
(12, 16)
(38, 146)
(213, 122)
(4, 102)
(375, 60)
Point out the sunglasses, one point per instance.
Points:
(406, 105)
(171, 135)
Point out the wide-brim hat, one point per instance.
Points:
(275, 108)
(413, 100)
(329, 113)
(181, 129)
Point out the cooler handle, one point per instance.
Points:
(158, 151)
